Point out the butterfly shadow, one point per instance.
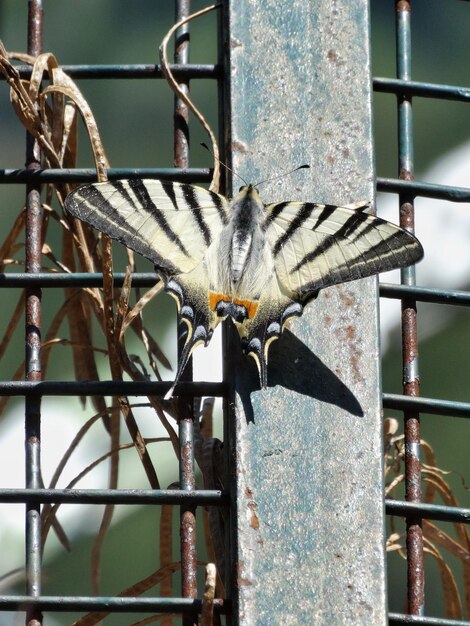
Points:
(294, 366)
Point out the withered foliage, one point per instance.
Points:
(438, 543)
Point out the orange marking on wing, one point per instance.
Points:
(215, 298)
(251, 306)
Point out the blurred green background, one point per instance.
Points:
(135, 120)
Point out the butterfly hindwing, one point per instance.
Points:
(270, 313)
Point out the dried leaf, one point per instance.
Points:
(214, 186)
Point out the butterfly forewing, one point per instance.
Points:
(171, 224)
(316, 246)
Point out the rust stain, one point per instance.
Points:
(254, 523)
(237, 146)
(403, 6)
(241, 580)
(346, 297)
(331, 55)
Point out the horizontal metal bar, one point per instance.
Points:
(106, 604)
(424, 294)
(426, 405)
(194, 497)
(425, 190)
(398, 618)
(88, 175)
(148, 279)
(189, 71)
(440, 512)
(79, 279)
(424, 90)
(108, 388)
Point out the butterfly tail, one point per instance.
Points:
(182, 362)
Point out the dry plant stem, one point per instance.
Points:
(452, 604)
(214, 186)
(207, 614)
(434, 484)
(50, 511)
(135, 590)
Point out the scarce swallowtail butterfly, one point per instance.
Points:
(258, 264)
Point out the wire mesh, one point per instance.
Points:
(34, 496)
(410, 403)
(33, 389)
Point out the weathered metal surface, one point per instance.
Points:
(33, 245)
(185, 422)
(414, 531)
(309, 508)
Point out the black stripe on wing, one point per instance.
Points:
(147, 204)
(191, 199)
(395, 242)
(304, 212)
(90, 205)
(398, 250)
(275, 211)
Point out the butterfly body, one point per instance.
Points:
(258, 264)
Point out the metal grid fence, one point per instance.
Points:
(34, 496)
(410, 403)
(33, 388)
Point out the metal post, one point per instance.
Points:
(414, 532)
(185, 423)
(308, 489)
(33, 246)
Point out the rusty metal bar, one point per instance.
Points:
(414, 532)
(33, 244)
(185, 412)
(181, 115)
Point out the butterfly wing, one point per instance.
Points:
(316, 246)
(265, 320)
(171, 224)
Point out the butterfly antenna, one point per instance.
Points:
(229, 169)
(305, 166)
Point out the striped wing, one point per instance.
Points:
(316, 246)
(171, 224)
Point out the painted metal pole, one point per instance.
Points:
(308, 490)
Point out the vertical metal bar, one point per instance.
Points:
(307, 452)
(414, 534)
(186, 423)
(33, 246)
(181, 139)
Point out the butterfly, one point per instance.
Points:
(257, 264)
